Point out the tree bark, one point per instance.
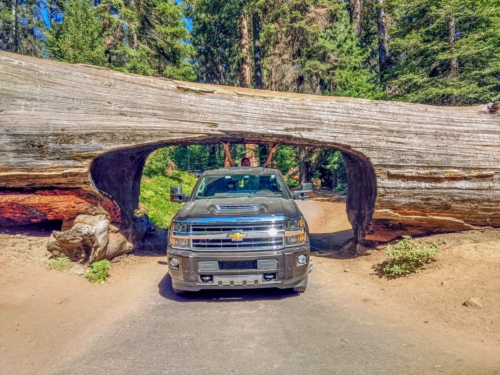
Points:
(75, 139)
(251, 153)
(452, 28)
(15, 25)
(257, 51)
(245, 60)
(382, 35)
(355, 14)
(304, 175)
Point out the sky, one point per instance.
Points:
(45, 14)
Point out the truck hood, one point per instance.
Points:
(202, 208)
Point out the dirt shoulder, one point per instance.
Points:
(48, 316)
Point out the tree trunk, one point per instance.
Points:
(251, 153)
(452, 28)
(257, 51)
(303, 164)
(263, 151)
(212, 157)
(355, 13)
(15, 25)
(382, 35)
(220, 70)
(334, 178)
(245, 60)
(409, 167)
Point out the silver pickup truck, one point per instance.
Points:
(239, 229)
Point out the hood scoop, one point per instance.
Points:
(223, 208)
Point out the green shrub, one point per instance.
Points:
(60, 263)
(98, 271)
(408, 256)
(292, 183)
(155, 195)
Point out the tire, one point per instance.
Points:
(300, 289)
(179, 292)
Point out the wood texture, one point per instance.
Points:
(412, 168)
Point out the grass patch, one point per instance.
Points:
(60, 263)
(98, 272)
(155, 195)
(407, 256)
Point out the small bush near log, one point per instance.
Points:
(60, 263)
(408, 256)
(98, 272)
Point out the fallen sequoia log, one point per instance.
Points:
(74, 140)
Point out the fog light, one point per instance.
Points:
(174, 263)
(269, 276)
(302, 260)
(206, 278)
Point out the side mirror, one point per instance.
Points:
(305, 192)
(177, 196)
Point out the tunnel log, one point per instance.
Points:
(413, 169)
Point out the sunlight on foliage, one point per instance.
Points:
(98, 272)
(408, 256)
(60, 263)
(155, 195)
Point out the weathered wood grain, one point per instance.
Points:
(413, 168)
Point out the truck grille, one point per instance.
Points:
(245, 244)
(198, 229)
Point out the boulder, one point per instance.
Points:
(118, 244)
(86, 241)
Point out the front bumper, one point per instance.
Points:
(288, 274)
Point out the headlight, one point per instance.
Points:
(179, 227)
(294, 240)
(294, 224)
(301, 260)
(180, 243)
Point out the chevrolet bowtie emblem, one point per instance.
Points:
(237, 236)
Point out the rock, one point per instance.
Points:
(56, 253)
(118, 245)
(78, 269)
(87, 241)
(473, 302)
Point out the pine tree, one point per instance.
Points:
(310, 47)
(150, 38)
(79, 38)
(445, 52)
(18, 27)
(217, 39)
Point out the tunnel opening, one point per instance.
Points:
(117, 175)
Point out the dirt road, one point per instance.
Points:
(348, 321)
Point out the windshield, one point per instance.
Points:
(240, 185)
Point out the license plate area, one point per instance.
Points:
(241, 280)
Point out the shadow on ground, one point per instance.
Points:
(237, 295)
